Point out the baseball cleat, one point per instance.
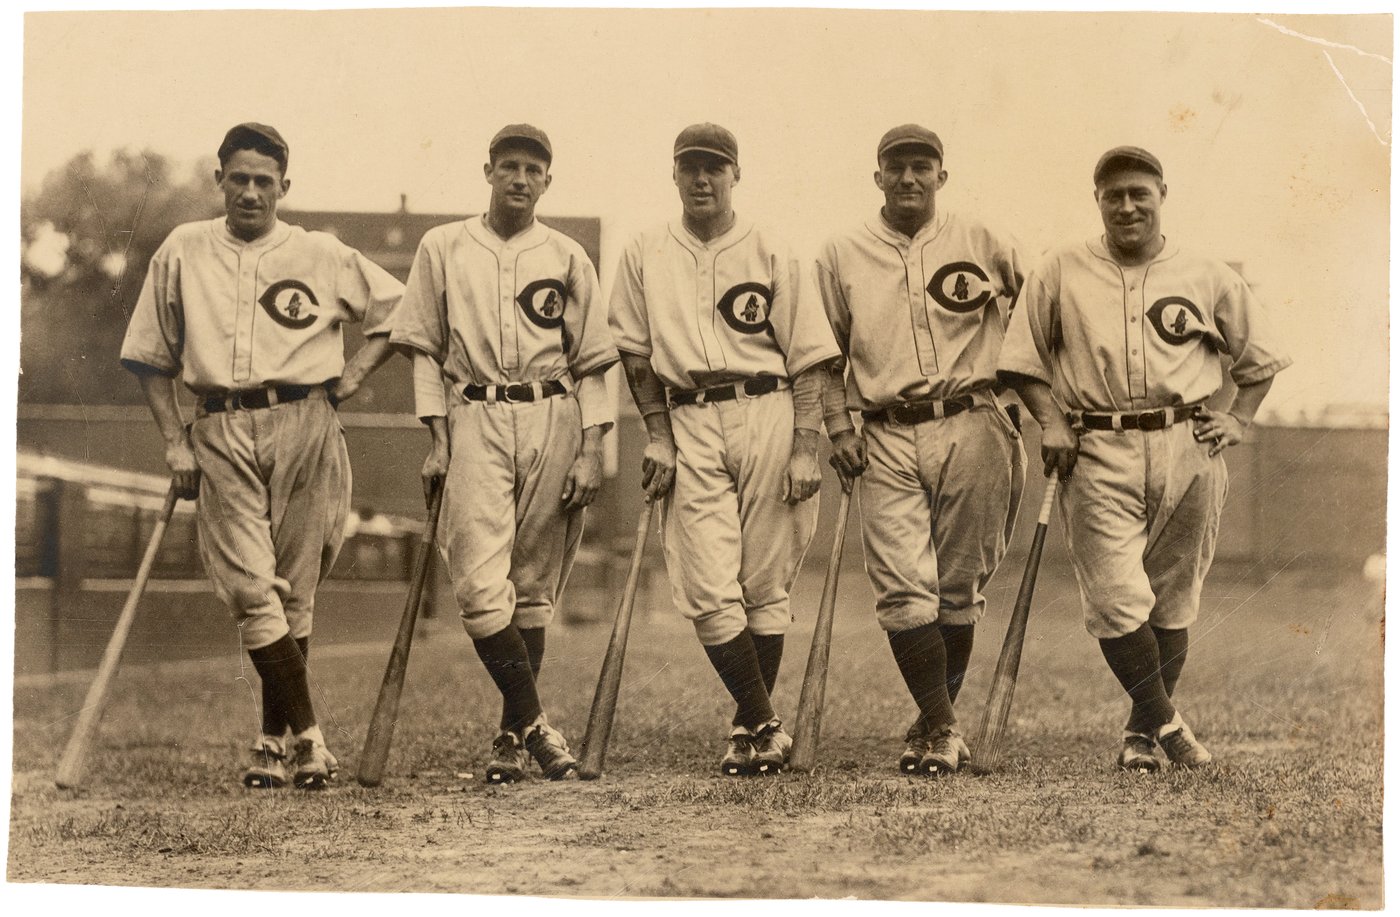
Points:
(739, 757)
(915, 747)
(547, 746)
(508, 759)
(947, 752)
(313, 766)
(1180, 744)
(268, 771)
(773, 747)
(1138, 752)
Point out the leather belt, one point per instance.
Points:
(255, 398)
(760, 385)
(907, 413)
(515, 392)
(1140, 420)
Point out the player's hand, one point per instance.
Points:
(848, 457)
(434, 468)
(1059, 449)
(585, 476)
(184, 468)
(658, 468)
(804, 476)
(1218, 428)
(344, 389)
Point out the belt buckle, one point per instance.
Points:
(234, 401)
(505, 395)
(1152, 420)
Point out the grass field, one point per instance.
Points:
(1283, 684)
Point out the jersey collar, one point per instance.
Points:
(482, 232)
(1099, 249)
(735, 232)
(274, 236)
(881, 229)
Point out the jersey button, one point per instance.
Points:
(1132, 318)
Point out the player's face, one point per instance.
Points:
(252, 184)
(910, 178)
(1130, 203)
(706, 183)
(519, 177)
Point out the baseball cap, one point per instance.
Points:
(1134, 157)
(526, 132)
(708, 138)
(240, 134)
(909, 135)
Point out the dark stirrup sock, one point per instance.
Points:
(508, 664)
(1134, 661)
(1171, 650)
(737, 665)
(957, 645)
(282, 666)
(923, 661)
(534, 648)
(770, 658)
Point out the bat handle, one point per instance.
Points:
(1052, 484)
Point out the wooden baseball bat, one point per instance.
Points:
(600, 716)
(807, 731)
(386, 708)
(71, 765)
(987, 744)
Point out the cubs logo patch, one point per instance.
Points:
(960, 287)
(291, 304)
(745, 308)
(1176, 319)
(543, 302)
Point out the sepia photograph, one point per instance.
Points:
(591, 456)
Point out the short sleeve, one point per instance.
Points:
(1249, 334)
(155, 335)
(367, 291)
(420, 321)
(590, 344)
(1027, 348)
(627, 308)
(799, 323)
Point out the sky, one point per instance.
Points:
(1274, 130)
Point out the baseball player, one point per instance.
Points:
(247, 310)
(509, 312)
(918, 299)
(1115, 348)
(724, 354)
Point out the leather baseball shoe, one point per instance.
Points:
(547, 746)
(1138, 752)
(773, 747)
(915, 747)
(947, 752)
(508, 759)
(268, 770)
(313, 766)
(1179, 742)
(738, 760)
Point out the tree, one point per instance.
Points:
(88, 234)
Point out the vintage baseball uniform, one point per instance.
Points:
(493, 311)
(705, 314)
(228, 316)
(923, 319)
(1142, 509)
